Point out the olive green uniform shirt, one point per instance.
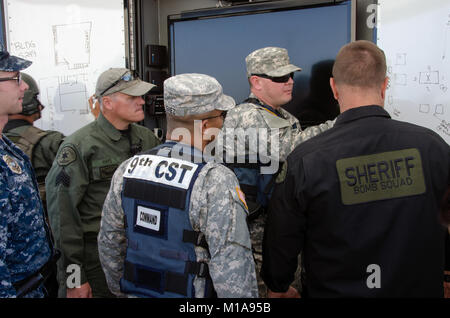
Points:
(77, 185)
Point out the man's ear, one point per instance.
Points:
(107, 102)
(333, 88)
(205, 124)
(255, 82)
(384, 87)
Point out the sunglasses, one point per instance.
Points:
(127, 77)
(223, 114)
(17, 78)
(278, 79)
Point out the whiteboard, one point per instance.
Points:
(415, 35)
(70, 43)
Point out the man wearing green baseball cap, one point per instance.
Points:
(80, 177)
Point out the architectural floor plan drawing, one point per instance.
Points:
(415, 36)
(72, 44)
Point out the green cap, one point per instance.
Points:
(120, 80)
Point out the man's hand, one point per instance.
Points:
(290, 293)
(95, 108)
(84, 291)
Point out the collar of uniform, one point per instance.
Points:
(14, 123)
(270, 109)
(195, 152)
(111, 131)
(361, 112)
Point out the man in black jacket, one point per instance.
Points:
(361, 201)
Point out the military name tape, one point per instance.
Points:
(169, 171)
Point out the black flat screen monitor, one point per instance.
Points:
(218, 45)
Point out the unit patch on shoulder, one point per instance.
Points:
(66, 156)
(241, 196)
(381, 176)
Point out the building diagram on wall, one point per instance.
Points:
(64, 95)
(66, 92)
(419, 71)
(72, 44)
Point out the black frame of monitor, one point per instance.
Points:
(241, 9)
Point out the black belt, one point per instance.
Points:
(32, 282)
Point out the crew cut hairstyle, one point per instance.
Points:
(360, 64)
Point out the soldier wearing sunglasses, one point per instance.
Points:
(80, 177)
(271, 78)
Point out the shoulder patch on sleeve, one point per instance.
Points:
(241, 196)
(67, 155)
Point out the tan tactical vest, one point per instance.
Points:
(26, 141)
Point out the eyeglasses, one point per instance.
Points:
(278, 79)
(17, 78)
(223, 114)
(127, 77)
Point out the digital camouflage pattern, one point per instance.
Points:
(24, 245)
(216, 210)
(193, 94)
(272, 61)
(11, 63)
(283, 135)
(39, 145)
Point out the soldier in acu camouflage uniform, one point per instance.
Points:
(160, 238)
(26, 249)
(270, 75)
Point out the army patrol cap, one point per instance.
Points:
(120, 80)
(11, 63)
(194, 94)
(271, 61)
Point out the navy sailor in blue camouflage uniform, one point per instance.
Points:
(26, 250)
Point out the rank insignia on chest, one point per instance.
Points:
(12, 164)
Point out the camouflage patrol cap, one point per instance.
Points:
(11, 63)
(271, 61)
(193, 94)
(120, 80)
